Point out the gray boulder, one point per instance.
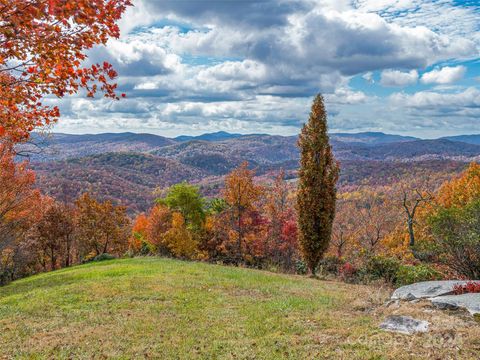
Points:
(470, 302)
(404, 325)
(426, 289)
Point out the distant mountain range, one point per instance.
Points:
(220, 151)
(469, 139)
(129, 166)
(216, 136)
(371, 138)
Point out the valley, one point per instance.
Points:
(128, 168)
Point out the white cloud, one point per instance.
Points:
(258, 63)
(447, 17)
(346, 96)
(466, 102)
(385, 5)
(368, 76)
(395, 78)
(445, 75)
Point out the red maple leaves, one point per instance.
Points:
(43, 54)
(469, 287)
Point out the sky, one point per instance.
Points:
(407, 67)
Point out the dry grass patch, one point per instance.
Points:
(158, 308)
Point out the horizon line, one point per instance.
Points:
(333, 133)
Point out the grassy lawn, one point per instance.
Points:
(166, 309)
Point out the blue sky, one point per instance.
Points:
(194, 66)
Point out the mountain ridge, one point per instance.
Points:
(61, 146)
(128, 167)
(469, 139)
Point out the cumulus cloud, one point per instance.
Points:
(445, 75)
(463, 104)
(467, 98)
(368, 76)
(257, 14)
(283, 57)
(441, 17)
(397, 78)
(346, 96)
(258, 63)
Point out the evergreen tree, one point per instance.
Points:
(187, 200)
(316, 196)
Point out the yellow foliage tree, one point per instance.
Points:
(179, 240)
(461, 190)
(457, 192)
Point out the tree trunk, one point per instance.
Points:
(105, 248)
(67, 257)
(240, 236)
(52, 259)
(411, 233)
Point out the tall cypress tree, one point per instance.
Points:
(317, 191)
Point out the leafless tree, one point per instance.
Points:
(411, 204)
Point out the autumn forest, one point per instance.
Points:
(249, 220)
(367, 209)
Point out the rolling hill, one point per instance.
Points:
(469, 139)
(371, 138)
(64, 146)
(216, 136)
(420, 150)
(126, 178)
(154, 308)
(127, 167)
(256, 148)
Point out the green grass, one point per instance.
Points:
(167, 309)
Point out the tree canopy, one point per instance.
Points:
(43, 52)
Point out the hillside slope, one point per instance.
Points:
(469, 139)
(229, 149)
(165, 309)
(126, 168)
(129, 178)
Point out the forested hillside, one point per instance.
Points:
(128, 167)
(344, 229)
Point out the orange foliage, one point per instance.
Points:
(456, 192)
(462, 190)
(159, 222)
(179, 240)
(43, 48)
(139, 231)
(163, 231)
(52, 235)
(102, 227)
(240, 190)
(241, 219)
(18, 198)
(280, 243)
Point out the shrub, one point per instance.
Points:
(348, 272)
(331, 264)
(457, 238)
(409, 274)
(103, 257)
(469, 287)
(425, 251)
(5, 277)
(301, 267)
(147, 249)
(379, 267)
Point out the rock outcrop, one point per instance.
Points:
(470, 302)
(426, 290)
(404, 325)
